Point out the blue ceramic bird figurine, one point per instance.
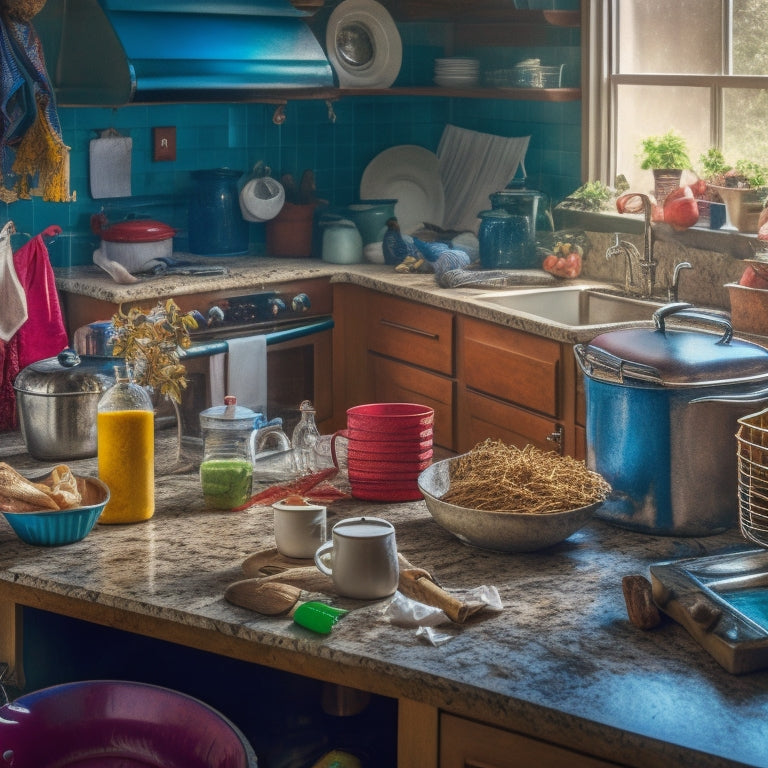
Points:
(395, 247)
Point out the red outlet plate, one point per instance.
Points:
(164, 143)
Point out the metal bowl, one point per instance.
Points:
(499, 531)
(53, 528)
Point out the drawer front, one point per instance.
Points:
(487, 417)
(467, 744)
(512, 365)
(396, 382)
(411, 332)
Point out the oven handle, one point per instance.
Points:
(209, 348)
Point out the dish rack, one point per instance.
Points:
(752, 463)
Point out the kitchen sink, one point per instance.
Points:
(573, 306)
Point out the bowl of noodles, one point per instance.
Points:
(507, 499)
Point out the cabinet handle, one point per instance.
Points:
(408, 329)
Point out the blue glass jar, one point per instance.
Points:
(506, 241)
(216, 225)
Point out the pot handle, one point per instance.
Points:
(681, 309)
(758, 396)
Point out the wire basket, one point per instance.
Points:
(752, 455)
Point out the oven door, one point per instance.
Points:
(299, 360)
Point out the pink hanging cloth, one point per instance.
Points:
(44, 334)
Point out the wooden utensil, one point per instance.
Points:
(270, 599)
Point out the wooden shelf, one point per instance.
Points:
(479, 11)
(521, 94)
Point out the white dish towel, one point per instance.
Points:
(247, 371)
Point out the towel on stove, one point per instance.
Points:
(247, 371)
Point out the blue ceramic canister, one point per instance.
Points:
(216, 225)
(506, 241)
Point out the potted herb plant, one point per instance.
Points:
(743, 187)
(667, 156)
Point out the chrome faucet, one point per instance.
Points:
(641, 268)
(674, 287)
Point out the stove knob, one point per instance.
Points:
(300, 302)
(276, 306)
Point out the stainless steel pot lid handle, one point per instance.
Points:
(682, 310)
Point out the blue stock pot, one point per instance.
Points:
(662, 409)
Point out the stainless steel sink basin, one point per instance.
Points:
(573, 306)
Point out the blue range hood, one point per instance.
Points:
(113, 52)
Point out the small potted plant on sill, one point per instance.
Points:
(667, 157)
(743, 188)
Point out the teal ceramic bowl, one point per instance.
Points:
(54, 528)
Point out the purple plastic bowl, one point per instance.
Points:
(126, 724)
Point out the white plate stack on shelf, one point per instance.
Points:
(457, 72)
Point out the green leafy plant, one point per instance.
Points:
(153, 341)
(591, 196)
(745, 174)
(669, 151)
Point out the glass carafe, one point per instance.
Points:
(226, 472)
(125, 424)
(305, 436)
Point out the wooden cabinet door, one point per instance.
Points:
(466, 744)
(511, 365)
(396, 382)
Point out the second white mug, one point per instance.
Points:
(361, 558)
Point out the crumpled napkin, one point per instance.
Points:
(405, 612)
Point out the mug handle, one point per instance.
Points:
(327, 547)
(340, 433)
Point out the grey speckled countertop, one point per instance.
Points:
(561, 662)
(247, 273)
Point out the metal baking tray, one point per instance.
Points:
(722, 600)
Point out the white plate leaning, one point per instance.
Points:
(363, 45)
(409, 174)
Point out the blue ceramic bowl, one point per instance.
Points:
(54, 528)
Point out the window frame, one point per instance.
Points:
(600, 84)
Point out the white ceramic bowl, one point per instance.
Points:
(499, 531)
(261, 199)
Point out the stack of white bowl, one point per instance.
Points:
(457, 72)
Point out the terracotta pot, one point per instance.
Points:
(290, 232)
(665, 180)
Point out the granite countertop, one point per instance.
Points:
(561, 662)
(247, 273)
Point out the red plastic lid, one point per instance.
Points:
(137, 231)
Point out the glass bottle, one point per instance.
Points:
(125, 427)
(226, 473)
(305, 435)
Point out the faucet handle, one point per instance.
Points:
(672, 293)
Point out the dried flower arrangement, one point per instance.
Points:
(154, 342)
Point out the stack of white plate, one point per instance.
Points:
(457, 72)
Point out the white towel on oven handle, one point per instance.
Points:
(247, 371)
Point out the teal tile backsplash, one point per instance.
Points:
(337, 142)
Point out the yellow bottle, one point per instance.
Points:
(126, 450)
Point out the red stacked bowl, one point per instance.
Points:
(390, 444)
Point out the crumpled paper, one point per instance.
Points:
(405, 612)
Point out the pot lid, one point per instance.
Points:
(66, 374)
(676, 357)
(132, 231)
(363, 528)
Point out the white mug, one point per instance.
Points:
(299, 528)
(363, 558)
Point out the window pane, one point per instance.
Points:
(647, 110)
(745, 137)
(750, 28)
(663, 37)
